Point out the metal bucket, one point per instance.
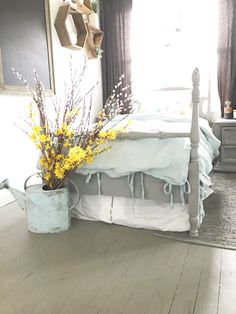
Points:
(47, 211)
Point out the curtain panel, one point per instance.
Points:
(233, 58)
(115, 20)
(227, 52)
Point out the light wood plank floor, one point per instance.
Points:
(107, 269)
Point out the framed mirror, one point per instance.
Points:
(25, 44)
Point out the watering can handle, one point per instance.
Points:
(71, 181)
(27, 179)
(77, 191)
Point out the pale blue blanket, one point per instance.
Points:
(166, 159)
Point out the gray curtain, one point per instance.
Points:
(115, 20)
(233, 59)
(227, 52)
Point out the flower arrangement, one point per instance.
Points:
(68, 140)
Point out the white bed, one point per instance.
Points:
(146, 196)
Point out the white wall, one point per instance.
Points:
(18, 156)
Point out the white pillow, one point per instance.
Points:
(172, 102)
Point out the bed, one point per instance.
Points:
(129, 186)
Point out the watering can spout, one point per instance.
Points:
(4, 184)
(18, 195)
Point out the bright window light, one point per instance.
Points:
(169, 39)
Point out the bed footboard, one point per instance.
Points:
(105, 185)
(194, 197)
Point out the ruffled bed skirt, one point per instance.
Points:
(133, 212)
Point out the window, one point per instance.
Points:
(169, 39)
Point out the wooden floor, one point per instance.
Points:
(107, 269)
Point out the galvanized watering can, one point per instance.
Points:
(48, 211)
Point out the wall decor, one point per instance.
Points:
(25, 44)
(65, 34)
(74, 30)
(84, 8)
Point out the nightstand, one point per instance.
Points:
(225, 131)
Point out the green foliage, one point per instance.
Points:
(95, 5)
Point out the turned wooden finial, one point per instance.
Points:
(196, 77)
(196, 82)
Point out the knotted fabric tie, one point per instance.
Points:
(187, 187)
(131, 184)
(184, 189)
(168, 191)
(142, 186)
(99, 183)
(89, 176)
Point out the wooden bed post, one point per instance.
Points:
(194, 197)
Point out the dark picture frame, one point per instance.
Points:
(25, 44)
